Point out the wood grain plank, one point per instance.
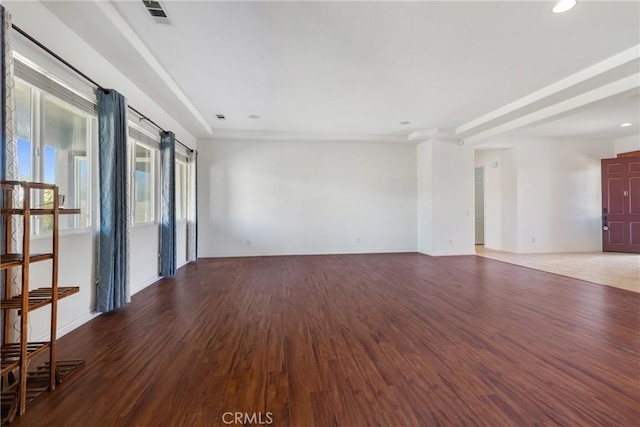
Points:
(356, 340)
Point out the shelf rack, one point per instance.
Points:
(19, 385)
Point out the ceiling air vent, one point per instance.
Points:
(156, 11)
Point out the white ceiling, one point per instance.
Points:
(601, 120)
(355, 67)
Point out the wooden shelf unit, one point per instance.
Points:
(11, 354)
(19, 385)
(38, 298)
(16, 260)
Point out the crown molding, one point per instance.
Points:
(112, 14)
(264, 135)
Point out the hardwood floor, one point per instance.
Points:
(356, 340)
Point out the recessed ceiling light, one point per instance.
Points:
(563, 6)
(405, 122)
(624, 125)
(254, 116)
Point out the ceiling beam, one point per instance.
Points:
(626, 85)
(127, 32)
(599, 68)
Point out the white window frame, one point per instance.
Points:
(76, 170)
(154, 182)
(182, 167)
(38, 96)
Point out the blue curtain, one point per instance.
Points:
(167, 204)
(113, 258)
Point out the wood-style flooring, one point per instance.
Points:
(356, 340)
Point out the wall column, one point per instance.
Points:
(446, 211)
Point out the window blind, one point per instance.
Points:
(51, 86)
(140, 136)
(181, 157)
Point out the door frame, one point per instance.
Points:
(484, 205)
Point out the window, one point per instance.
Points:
(23, 131)
(181, 193)
(144, 184)
(53, 141)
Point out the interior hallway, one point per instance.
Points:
(619, 270)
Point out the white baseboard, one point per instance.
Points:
(451, 253)
(290, 253)
(63, 330)
(150, 281)
(76, 323)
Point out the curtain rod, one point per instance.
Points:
(87, 78)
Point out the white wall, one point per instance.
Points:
(76, 268)
(144, 255)
(302, 197)
(624, 145)
(500, 199)
(453, 199)
(559, 195)
(425, 197)
(181, 243)
(445, 198)
(77, 249)
(556, 186)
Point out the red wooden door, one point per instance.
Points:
(621, 205)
